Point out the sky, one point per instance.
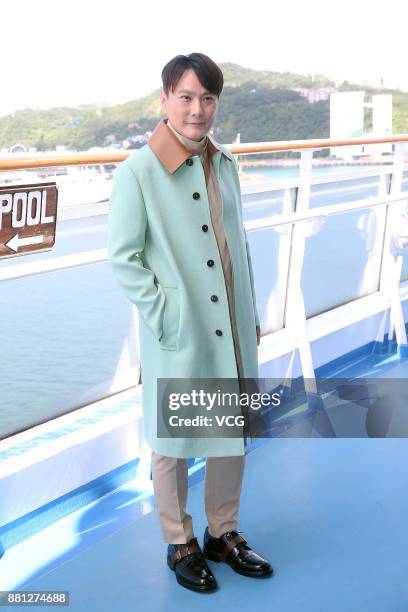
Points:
(59, 53)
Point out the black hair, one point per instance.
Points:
(207, 71)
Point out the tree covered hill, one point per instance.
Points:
(260, 105)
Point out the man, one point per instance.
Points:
(179, 250)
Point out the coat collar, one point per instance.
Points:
(171, 152)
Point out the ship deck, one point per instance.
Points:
(330, 515)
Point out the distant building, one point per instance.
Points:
(18, 148)
(109, 139)
(347, 121)
(316, 95)
(134, 142)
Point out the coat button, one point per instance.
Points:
(204, 228)
(210, 263)
(218, 332)
(189, 161)
(196, 195)
(214, 298)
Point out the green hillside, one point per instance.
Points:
(260, 105)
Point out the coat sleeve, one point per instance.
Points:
(127, 225)
(248, 251)
(251, 275)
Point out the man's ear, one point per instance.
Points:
(163, 100)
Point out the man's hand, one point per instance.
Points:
(258, 334)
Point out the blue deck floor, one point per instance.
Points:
(331, 515)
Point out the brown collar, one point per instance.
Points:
(171, 152)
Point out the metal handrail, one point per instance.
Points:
(324, 211)
(74, 159)
(64, 262)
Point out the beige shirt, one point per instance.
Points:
(215, 202)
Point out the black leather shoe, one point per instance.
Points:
(191, 569)
(234, 550)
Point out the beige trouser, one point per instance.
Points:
(223, 483)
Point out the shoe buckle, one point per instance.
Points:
(230, 545)
(188, 549)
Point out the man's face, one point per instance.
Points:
(190, 107)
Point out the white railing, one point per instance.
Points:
(298, 220)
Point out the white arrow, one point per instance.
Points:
(15, 242)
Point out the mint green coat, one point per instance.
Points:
(158, 252)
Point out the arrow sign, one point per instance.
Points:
(15, 242)
(28, 217)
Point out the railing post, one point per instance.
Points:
(295, 315)
(392, 257)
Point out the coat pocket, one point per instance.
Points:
(171, 320)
